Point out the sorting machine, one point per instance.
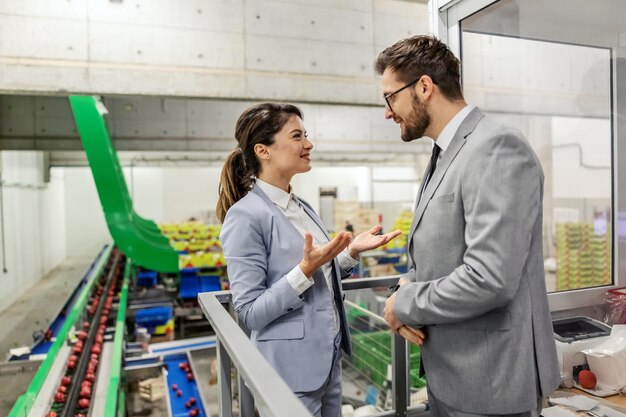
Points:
(92, 365)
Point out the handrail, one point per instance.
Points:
(376, 317)
(271, 393)
(363, 283)
(240, 346)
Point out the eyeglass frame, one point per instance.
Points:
(387, 96)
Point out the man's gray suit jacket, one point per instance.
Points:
(477, 282)
(294, 333)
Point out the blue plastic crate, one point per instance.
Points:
(388, 260)
(210, 283)
(191, 285)
(147, 279)
(401, 269)
(189, 272)
(154, 316)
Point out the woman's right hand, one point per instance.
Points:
(316, 256)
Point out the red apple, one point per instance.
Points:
(587, 379)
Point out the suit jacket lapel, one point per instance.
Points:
(280, 216)
(466, 128)
(309, 211)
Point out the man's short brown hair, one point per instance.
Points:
(423, 55)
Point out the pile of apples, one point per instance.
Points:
(78, 350)
(193, 412)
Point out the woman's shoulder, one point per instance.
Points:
(251, 206)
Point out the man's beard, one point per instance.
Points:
(416, 124)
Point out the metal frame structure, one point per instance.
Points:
(260, 384)
(445, 22)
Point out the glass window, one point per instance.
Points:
(535, 66)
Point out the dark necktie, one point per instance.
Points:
(431, 171)
(433, 163)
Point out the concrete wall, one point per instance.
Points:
(304, 50)
(33, 223)
(85, 227)
(192, 126)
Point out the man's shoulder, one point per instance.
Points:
(490, 131)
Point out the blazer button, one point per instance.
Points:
(290, 309)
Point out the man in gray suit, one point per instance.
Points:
(476, 287)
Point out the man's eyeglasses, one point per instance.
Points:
(388, 96)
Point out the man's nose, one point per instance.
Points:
(388, 112)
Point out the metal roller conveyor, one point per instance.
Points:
(80, 375)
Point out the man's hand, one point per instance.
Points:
(415, 336)
(390, 315)
(370, 240)
(316, 256)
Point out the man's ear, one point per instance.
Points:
(425, 87)
(261, 151)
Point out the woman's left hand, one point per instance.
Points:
(370, 240)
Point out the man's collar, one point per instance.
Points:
(448, 132)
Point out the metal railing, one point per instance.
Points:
(258, 381)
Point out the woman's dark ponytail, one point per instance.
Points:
(235, 182)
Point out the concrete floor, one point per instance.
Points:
(39, 306)
(34, 311)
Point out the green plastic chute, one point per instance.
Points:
(139, 238)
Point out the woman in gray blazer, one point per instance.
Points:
(284, 269)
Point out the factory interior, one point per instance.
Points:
(116, 118)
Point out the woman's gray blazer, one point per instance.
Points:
(294, 333)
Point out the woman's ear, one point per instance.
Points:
(261, 151)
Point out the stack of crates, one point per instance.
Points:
(192, 283)
(402, 223)
(157, 320)
(583, 258)
(371, 354)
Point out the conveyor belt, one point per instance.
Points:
(72, 407)
(176, 377)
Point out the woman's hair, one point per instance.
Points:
(257, 125)
(423, 55)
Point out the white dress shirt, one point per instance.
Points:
(289, 204)
(448, 132)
